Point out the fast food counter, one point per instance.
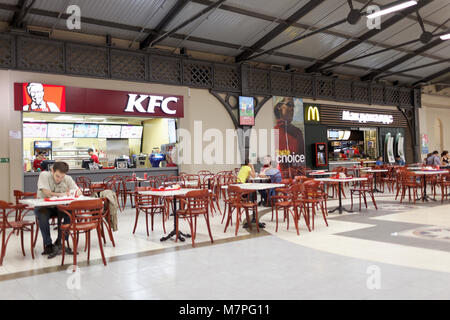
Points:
(31, 178)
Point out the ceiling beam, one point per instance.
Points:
(369, 34)
(433, 76)
(20, 14)
(212, 6)
(168, 18)
(400, 60)
(388, 74)
(335, 33)
(121, 26)
(304, 10)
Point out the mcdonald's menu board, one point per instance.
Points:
(60, 130)
(83, 130)
(109, 131)
(34, 130)
(131, 132)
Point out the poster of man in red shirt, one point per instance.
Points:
(290, 124)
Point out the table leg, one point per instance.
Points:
(261, 224)
(173, 232)
(340, 207)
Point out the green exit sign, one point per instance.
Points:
(4, 160)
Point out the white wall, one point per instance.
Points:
(435, 108)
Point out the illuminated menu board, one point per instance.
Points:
(131, 132)
(60, 130)
(109, 131)
(82, 130)
(35, 130)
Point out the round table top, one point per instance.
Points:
(375, 170)
(327, 173)
(428, 172)
(340, 180)
(168, 193)
(256, 186)
(42, 203)
(259, 178)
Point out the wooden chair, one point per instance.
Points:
(409, 180)
(315, 197)
(84, 183)
(361, 188)
(238, 203)
(14, 225)
(193, 204)
(129, 192)
(22, 213)
(290, 203)
(149, 205)
(444, 182)
(194, 179)
(85, 216)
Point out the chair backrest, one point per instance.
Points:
(194, 178)
(208, 181)
(301, 179)
(85, 212)
(296, 192)
(6, 209)
(144, 200)
(19, 195)
(287, 181)
(313, 188)
(204, 172)
(197, 199)
(174, 180)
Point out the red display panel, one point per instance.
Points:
(96, 101)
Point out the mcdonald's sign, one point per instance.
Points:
(312, 113)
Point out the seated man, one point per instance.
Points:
(54, 183)
(399, 161)
(275, 177)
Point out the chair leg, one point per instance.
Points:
(136, 221)
(32, 240)
(101, 247)
(146, 222)
(21, 242)
(209, 227)
(256, 218)
(88, 242)
(238, 218)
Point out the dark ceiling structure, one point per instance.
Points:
(332, 37)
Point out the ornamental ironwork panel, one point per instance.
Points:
(324, 88)
(227, 77)
(87, 60)
(405, 97)
(281, 83)
(40, 55)
(197, 74)
(128, 65)
(343, 90)
(303, 85)
(392, 96)
(165, 69)
(377, 94)
(361, 92)
(258, 81)
(7, 52)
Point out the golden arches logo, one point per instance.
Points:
(313, 114)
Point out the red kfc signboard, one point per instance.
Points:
(37, 97)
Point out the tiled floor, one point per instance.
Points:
(362, 255)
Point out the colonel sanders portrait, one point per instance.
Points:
(36, 93)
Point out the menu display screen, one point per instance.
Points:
(109, 131)
(131, 132)
(82, 130)
(35, 130)
(60, 130)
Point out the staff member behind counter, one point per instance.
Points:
(37, 162)
(94, 157)
(54, 183)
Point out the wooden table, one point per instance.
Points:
(426, 173)
(340, 207)
(174, 194)
(375, 176)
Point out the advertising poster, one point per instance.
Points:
(290, 125)
(246, 111)
(400, 146)
(389, 148)
(425, 149)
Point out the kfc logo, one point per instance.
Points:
(36, 93)
(135, 102)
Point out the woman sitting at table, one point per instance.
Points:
(54, 183)
(247, 170)
(445, 158)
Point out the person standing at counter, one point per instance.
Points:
(93, 156)
(37, 162)
(54, 183)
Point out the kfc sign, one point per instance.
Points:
(37, 97)
(135, 102)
